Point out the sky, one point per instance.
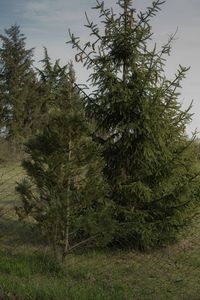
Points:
(46, 23)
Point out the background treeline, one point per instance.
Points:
(111, 168)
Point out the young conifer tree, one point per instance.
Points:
(49, 82)
(150, 163)
(66, 193)
(18, 86)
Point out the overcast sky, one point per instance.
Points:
(46, 23)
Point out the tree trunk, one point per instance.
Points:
(66, 245)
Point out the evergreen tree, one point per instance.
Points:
(66, 193)
(150, 163)
(18, 85)
(49, 81)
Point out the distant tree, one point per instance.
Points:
(66, 194)
(18, 86)
(150, 163)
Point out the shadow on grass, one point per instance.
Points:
(14, 233)
(27, 265)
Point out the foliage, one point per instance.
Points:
(150, 163)
(18, 86)
(27, 271)
(66, 194)
(49, 83)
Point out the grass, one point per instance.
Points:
(27, 271)
(10, 174)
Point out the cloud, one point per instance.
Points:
(50, 12)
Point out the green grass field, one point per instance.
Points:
(27, 271)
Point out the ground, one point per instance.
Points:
(27, 271)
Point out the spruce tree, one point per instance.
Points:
(18, 85)
(150, 163)
(66, 193)
(49, 82)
